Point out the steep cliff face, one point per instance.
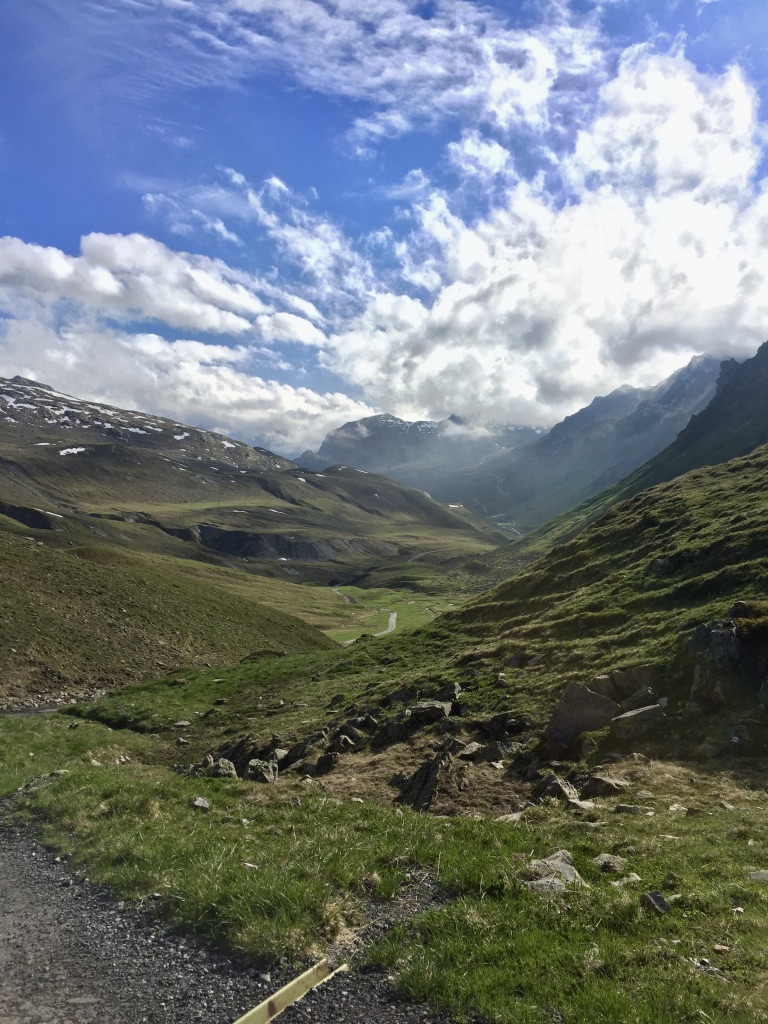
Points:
(733, 423)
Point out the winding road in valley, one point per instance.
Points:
(391, 626)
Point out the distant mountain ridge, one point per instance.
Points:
(526, 475)
(27, 405)
(421, 453)
(82, 469)
(732, 425)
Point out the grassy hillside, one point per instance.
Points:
(71, 619)
(151, 545)
(264, 869)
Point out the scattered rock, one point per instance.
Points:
(637, 723)
(642, 698)
(610, 863)
(201, 803)
(343, 744)
(554, 786)
(605, 686)
(507, 723)
(326, 763)
(670, 881)
(603, 785)
(221, 769)
(183, 724)
(453, 745)
(492, 752)
(656, 901)
(420, 789)
(449, 693)
(704, 965)
(470, 751)
(428, 711)
(581, 805)
(628, 680)
(261, 771)
(627, 809)
(558, 865)
(545, 885)
(758, 876)
(630, 879)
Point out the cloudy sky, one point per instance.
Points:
(272, 216)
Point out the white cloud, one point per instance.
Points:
(606, 225)
(202, 384)
(658, 254)
(134, 276)
(412, 66)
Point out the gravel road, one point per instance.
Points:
(70, 953)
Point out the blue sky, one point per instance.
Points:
(272, 216)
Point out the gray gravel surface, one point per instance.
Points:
(70, 953)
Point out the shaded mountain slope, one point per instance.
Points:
(734, 423)
(587, 451)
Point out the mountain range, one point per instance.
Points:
(523, 475)
(424, 453)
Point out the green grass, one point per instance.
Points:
(264, 872)
(372, 607)
(622, 592)
(75, 617)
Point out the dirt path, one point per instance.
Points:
(391, 625)
(71, 954)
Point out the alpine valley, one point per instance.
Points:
(503, 743)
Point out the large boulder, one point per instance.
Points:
(222, 768)
(507, 723)
(557, 868)
(603, 785)
(644, 697)
(429, 711)
(629, 680)
(578, 710)
(261, 771)
(639, 722)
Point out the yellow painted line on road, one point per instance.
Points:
(291, 993)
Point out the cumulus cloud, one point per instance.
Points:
(596, 219)
(206, 384)
(658, 253)
(132, 277)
